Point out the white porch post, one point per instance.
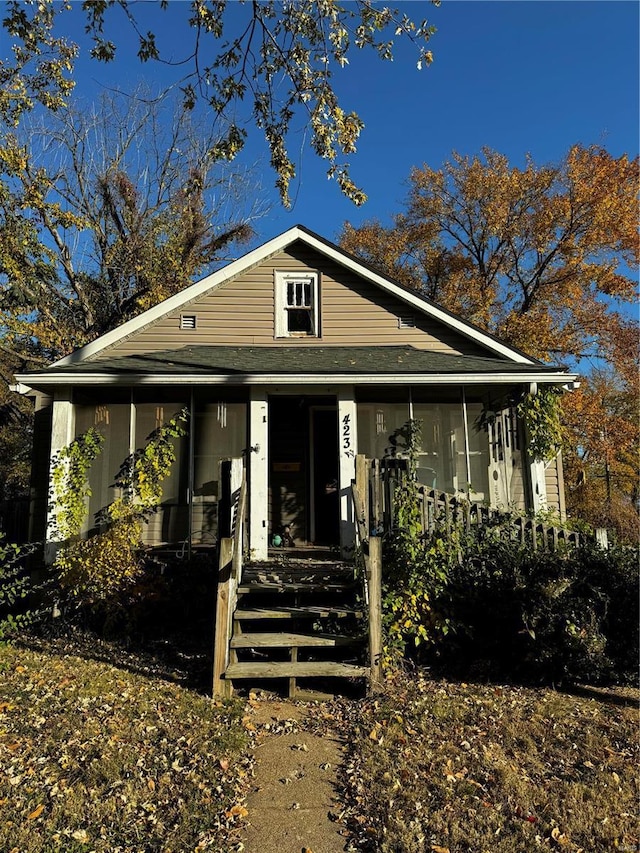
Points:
(348, 444)
(537, 478)
(62, 429)
(258, 465)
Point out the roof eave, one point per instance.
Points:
(52, 379)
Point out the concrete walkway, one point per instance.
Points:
(294, 784)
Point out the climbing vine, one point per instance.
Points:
(100, 567)
(70, 483)
(540, 413)
(415, 568)
(141, 475)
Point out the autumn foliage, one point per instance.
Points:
(544, 257)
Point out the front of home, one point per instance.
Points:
(296, 357)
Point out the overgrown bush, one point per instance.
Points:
(99, 568)
(481, 601)
(501, 609)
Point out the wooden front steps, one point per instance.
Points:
(307, 612)
(285, 669)
(254, 641)
(285, 625)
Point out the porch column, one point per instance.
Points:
(348, 444)
(537, 478)
(62, 430)
(258, 473)
(538, 485)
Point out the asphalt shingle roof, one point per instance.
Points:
(286, 360)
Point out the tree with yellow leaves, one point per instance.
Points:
(542, 256)
(278, 58)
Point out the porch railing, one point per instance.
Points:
(230, 553)
(380, 478)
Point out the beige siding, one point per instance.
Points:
(555, 486)
(241, 313)
(517, 487)
(169, 524)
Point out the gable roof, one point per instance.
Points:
(329, 250)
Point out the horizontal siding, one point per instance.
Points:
(555, 486)
(241, 312)
(169, 524)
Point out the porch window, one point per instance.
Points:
(378, 427)
(296, 305)
(220, 430)
(126, 427)
(453, 456)
(170, 522)
(442, 458)
(112, 420)
(479, 456)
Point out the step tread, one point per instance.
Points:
(288, 669)
(272, 639)
(296, 612)
(289, 586)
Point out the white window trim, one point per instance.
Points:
(282, 278)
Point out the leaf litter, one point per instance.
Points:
(96, 758)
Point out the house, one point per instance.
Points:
(297, 356)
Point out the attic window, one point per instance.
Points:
(296, 301)
(406, 322)
(188, 321)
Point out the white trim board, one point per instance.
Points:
(256, 256)
(45, 379)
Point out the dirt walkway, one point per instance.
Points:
(293, 798)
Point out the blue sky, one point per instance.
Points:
(516, 76)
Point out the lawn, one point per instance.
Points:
(99, 757)
(464, 768)
(96, 758)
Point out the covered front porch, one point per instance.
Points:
(299, 444)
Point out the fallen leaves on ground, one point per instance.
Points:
(463, 768)
(95, 758)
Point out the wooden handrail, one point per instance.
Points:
(229, 576)
(371, 550)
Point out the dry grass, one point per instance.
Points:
(467, 769)
(95, 758)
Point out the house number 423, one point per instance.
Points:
(346, 432)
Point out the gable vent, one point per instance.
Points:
(406, 322)
(188, 321)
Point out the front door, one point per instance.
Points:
(325, 492)
(303, 471)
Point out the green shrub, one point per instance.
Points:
(103, 566)
(482, 600)
(547, 616)
(15, 587)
